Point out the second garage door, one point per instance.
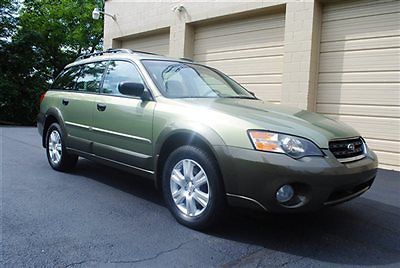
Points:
(359, 78)
(250, 50)
(156, 43)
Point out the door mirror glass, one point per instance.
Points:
(131, 89)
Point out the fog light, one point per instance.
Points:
(285, 193)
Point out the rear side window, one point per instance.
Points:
(66, 80)
(119, 71)
(89, 79)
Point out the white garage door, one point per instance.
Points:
(249, 50)
(359, 78)
(156, 43)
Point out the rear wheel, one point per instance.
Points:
(57, 155)
(192, 187)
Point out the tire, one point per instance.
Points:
(197, 202)
(57, 155)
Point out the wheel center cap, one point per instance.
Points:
(190, 187)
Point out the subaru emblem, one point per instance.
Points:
(350, 147)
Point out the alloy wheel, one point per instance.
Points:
(55, 147)
(189, 187)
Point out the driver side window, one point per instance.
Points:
(119, 71)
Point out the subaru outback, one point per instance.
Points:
(204, 140)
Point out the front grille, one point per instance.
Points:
(347, 150)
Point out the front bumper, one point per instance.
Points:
(320, 181)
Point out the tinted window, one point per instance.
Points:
(89, 78)
(119, 71)
(66, 80)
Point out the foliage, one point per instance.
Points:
(7, 18)
(44, 37)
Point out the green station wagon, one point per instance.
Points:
(203, 139)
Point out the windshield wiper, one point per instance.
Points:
(240, 97)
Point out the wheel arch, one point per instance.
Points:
(53, 115)
(181, 137)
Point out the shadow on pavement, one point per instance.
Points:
(360, 232)
(352, 234)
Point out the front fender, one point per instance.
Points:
(209, 136)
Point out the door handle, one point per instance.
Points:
(101, 107)
(65, 102)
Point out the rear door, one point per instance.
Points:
(122, 125)
(77, 101)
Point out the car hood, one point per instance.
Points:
(257, 114)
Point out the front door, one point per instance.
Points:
(122, 125)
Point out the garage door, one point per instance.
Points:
(249, 50)
(359, 72)
(156, 43)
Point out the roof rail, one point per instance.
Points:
(144, 52)
(118, 50)
(187, 59)
(112, 50)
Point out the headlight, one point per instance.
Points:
(281, 143)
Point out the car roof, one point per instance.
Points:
(121, 54)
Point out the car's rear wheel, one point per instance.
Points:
(192, 187)
(57, 155)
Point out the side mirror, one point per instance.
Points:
(146, 96)
(131, 89)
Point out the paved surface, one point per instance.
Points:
(98, 216)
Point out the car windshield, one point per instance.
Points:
(186, 80)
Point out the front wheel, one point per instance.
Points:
(57, 155)
(192, 187)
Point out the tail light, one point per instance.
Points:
(42, 97)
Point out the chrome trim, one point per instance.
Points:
(108, 132)
(345, 139)
(351, 159)
(355, 158)
(247, 198)
(77, 125)
(110, 160)
(121, 134)
(343, 199)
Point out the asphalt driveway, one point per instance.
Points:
(99, 216)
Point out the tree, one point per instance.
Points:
(49, 34)
(8, 9)
(66, 28)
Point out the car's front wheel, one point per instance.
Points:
(57, 155)
(192, 187)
